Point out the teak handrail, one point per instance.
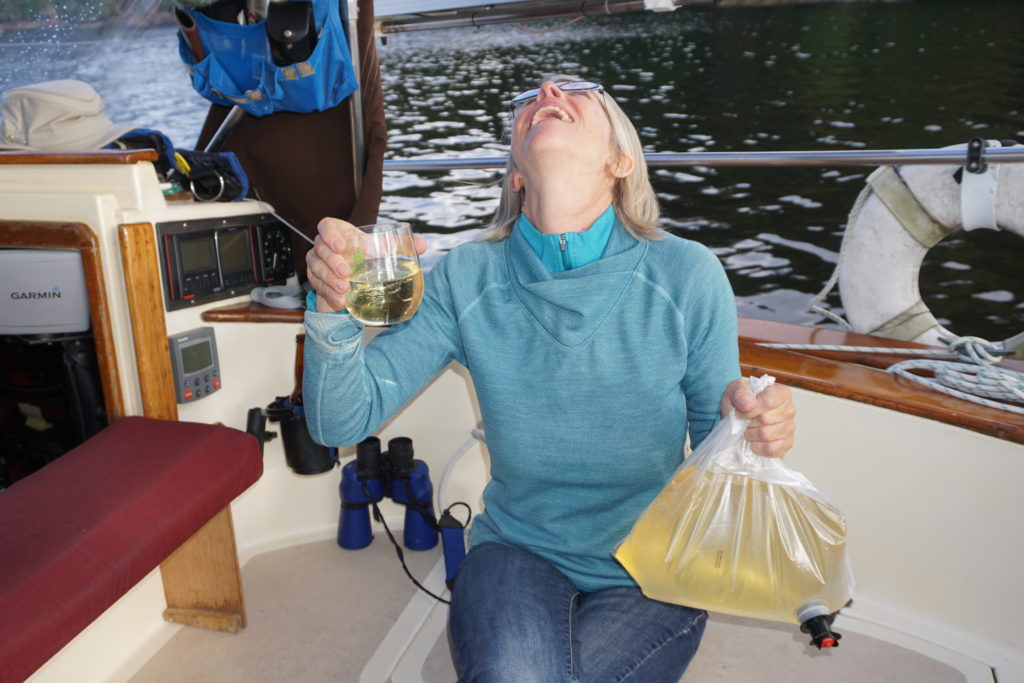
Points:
(251, 312)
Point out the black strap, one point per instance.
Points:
(958, 175)
(398, 549)
(449, 517)
(427, 513)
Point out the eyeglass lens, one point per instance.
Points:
(524, 98)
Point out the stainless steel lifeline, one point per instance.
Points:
(885, 157)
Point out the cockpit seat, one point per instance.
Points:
(79, 533)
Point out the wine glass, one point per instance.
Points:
(386, 281)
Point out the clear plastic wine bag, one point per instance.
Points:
(741, 534)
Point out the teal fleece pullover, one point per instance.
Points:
(568, 250)
(587, 381)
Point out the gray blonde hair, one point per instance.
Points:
(633, 198)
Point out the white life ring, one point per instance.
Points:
(900, 214)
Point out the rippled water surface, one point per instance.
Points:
(820, 77)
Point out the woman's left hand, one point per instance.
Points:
(770, 414)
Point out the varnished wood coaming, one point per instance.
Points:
(846, 376)
(80, 237)
(112, 156)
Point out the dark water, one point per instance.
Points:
(819, 77)
(928, 73)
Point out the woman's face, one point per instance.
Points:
(568, 128)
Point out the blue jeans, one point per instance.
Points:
(514, 617)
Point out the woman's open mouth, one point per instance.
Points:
(550, 111)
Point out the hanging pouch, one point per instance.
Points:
(741, 534)
(291, 30)
(238, 67)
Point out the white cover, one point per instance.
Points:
(42, 291)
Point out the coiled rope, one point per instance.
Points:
(974, 378)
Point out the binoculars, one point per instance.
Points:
(394, 474)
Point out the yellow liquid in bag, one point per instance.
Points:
(732, 544)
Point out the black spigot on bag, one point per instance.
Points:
(817, 622)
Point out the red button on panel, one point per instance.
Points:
(188, 394)
(216, 383)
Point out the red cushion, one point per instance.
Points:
(77, 534)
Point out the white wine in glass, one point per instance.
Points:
(386, 284)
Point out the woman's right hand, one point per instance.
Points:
(327, 263)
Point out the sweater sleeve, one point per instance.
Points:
(713, 345)
(349, 391)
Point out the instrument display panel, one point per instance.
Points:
(219, 258)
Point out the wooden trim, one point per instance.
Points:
(846, 379)
(149, 333)
(202, 580)
(114, 156)
(74, 235)
(47, 235)
(252, 312)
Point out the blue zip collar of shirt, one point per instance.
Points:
(568, 250)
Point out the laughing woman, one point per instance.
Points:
(596, 343)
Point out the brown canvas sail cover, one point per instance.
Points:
(302, 163)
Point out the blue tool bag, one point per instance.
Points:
(294, 59)
(211, 176)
